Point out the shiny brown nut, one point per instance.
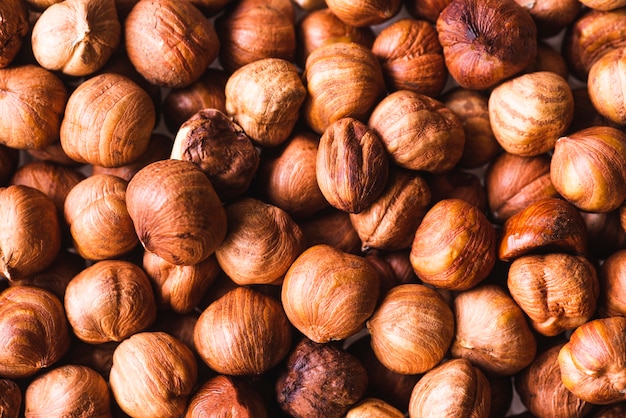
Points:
(14, 15)
(226, 396)
(552, 16)
(549, 59)
(364, 12)
(604, 83)
(612, 276)
(426, 9)
(373, 407)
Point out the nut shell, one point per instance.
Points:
(14, 15)
(612, 276)
(10, 399)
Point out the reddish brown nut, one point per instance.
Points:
(10, 399)
(364, 12)
(605, 233)
(331, 227)
(612, 275)
(426, 9)
(14, 15)
(552, 16)
(226, 396)
(605, 84)
(458, 184)
(549, 59)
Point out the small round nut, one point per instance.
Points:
(605, 84)
(226, 396)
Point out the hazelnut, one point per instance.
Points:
(389, 222)
(179, 288)
(342, 80)
(426, 9)
(332, 227)
(605, 5)
(76, 37)
(304, 388)
(472, 393)
(109, 301)
(261, 243)
(226, 396)
(550, 224)
(244, 332)
(53, 153)
(454, 247)
(530, 112)
(558, 292)
(492, 331)
(153, 374)
(68, 390)
(458, 184)
(328, 294)
(549, 59)
(604, 232)
(176, 212)
(95, 210)
(364, 12)
(34, 333)
(31, 237)
(552, 16)
(372, 407)
(604, 83)
(220, 147)
(10, 399)
(592, 361)
(477, 56)
(352, 167)
(31, 107)
(411, 57)
(108, 121)
(612, 276)
(14, 15)
(418, 132)
(264, 98)
(170, 43)
(427, 325)
(287, 178)
(310, 5)
(588, 168)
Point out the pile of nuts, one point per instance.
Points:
(309, 208)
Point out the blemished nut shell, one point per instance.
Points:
(170, 43)
(264, 98)
(176, 212)
(419, 132)
(245, 332)
(352, 166)
(427, 325)
(14, 15)
(34, 333)
(592, 361)
(454, 247)
(153, 374)
(76, 37)
(68, 390)
(530, 112)
(471, 389)
(261, 243)
(328, 294)
(109, 301)
(108, 121)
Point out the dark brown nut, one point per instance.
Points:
(252, 30)
(53, 153)
(530, 112)
(601, 185)
(411, 57)
(352, 167)
(342, 80)
(264, 97)
(541, 390)
(592, 361)
(514, 182)
(153, 374)
(549, 59)
(428, 328)
(180, 326)
(612, 275)
(605, 233)
(210, 7)
(458, 184)
(31, 235)
(179, 288)
(558, 292)
(604, 83)
(389, 222)
(109, 301)
(288, 179)
(10, 399)
(426, 9)
(68, 390)
(501, 395)
(34, 333)
(245, 332)
(472, 393)
(95, 210)
(207, 93)
(552, 16)
(176, 212)
(477, 56)
(226, 396)
(454, 247)
(419, 132)
(481, 146)
(591, 35)
(170, 43)
(9, 163)
(328, 294)
(548, 225)
(303, 388)
(492, 331)
(332, 227)
(14, 16)
(364, 12)
(76, 37)
(98, 357)
(616, 410)
(261, 243)
(216, 144)
(322, 26)
(31, 108)
(108, 121)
